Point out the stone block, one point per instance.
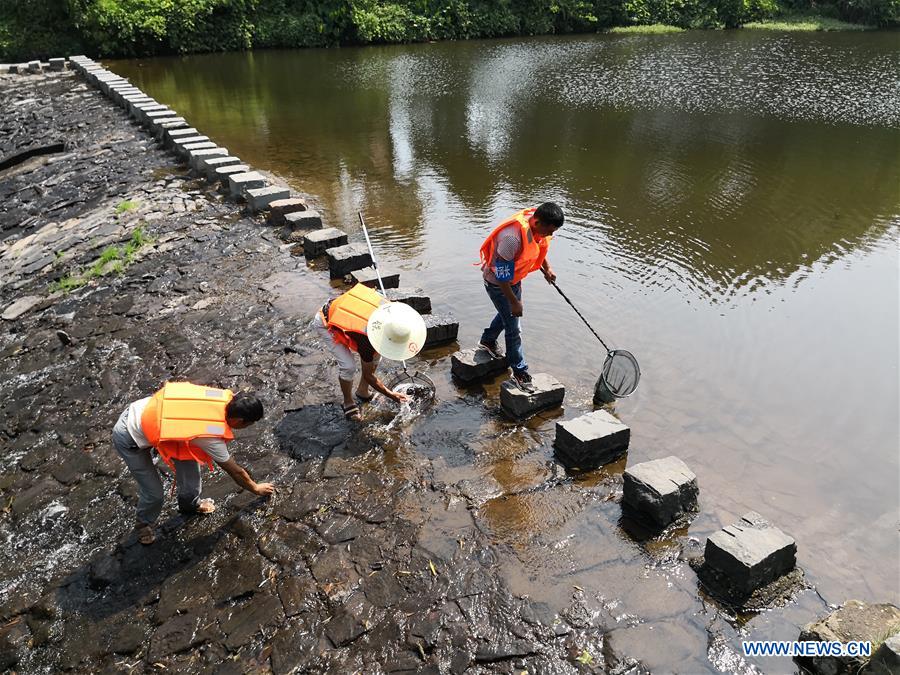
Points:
(856, 621)
(549, 393)
(662, 490)
(591, 440)
(159, 115)
(34, 66)
(317, 242)
(179, 143)
(414, 297)
(187, 148)
(259, 198)
(282, 207)
(751, 553)
(195, 156)
(188, 132)
(367, 277)
(303, 220)
(208, 165)
(239, 182)
(140, 111)
(347, 258)
(223, 173)
(12, 68)
(441, 328)
(471, 365)
(159, 128)
(57, 64)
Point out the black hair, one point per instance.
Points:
(550, 214)
(245, 407)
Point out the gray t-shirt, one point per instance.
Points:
(509, 245)
(216, 448)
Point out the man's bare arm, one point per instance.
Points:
(241, 477)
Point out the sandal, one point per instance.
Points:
(144, 533)
(351, 412)
(364, 399)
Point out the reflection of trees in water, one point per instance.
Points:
(722, 201)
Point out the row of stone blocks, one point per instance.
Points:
(202, 154)
(31, 67)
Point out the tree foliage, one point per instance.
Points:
(41, 28)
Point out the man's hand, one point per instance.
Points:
(399, 398)
(515, 307)
(549, 274)
(264, 489)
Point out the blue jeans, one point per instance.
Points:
(504, 322)
(150, 489)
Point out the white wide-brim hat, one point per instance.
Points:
(396, 331)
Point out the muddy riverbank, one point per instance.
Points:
(386, 549)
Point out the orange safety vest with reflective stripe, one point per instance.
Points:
(350, 312)
(533, 251)
(180, 412)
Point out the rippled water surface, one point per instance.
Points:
(733, 201)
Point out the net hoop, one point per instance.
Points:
(621, 373)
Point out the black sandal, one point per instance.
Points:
(351, 412)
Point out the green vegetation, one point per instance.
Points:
(127, 205)
(42, 28)
(113, 259)
(654, 28)
(806, 22)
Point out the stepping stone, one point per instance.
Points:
(260, 198)
(520, 404)
(34, 66)
(159, 115)
(661, 490)
(159, 128)
(57, 64)
(179, 143)
(240, 182)
(223, 173)
(317, 242)
(367, 277)
(591, 440)
(175, 134)
(140, 111)
(282, 207)
(414, 297)
(347, 258)
(440, 328)
(471, 365)
(13, 68)
(208, 165)
(751, 553)
(303, 220)
(199, 145)
(195, 156)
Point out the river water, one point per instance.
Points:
(732, 201)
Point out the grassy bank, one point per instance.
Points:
(807, 22)
(652, 29)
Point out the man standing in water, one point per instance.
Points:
(189, 425)
(516, 247)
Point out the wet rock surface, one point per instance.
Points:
(447, 544)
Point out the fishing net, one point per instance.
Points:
(619, 377)
(418, 387)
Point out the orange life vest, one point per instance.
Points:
(533, 251)
(350, 312)
(180, 412)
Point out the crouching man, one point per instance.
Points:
(188, 425)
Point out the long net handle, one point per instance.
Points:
(375, 265)
(553, 283)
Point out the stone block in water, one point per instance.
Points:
(34, 66)
(414, 297)
(549, 393)
(750, 553)
(178, 144)
(367, 277)
(139, 111)
(347, 258)
(13, 68)
(187, 148)
(239, 182)
(57, 64)
(208, 165)
(471, 365)
(260, 198)
(440, 328)
(195, 157)
(661, 490)
(158, 127)
(591, 440)
(303, 220)
(282, 207)
(317, 242)
(173, 135)
(223, 173)
(159, 115)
